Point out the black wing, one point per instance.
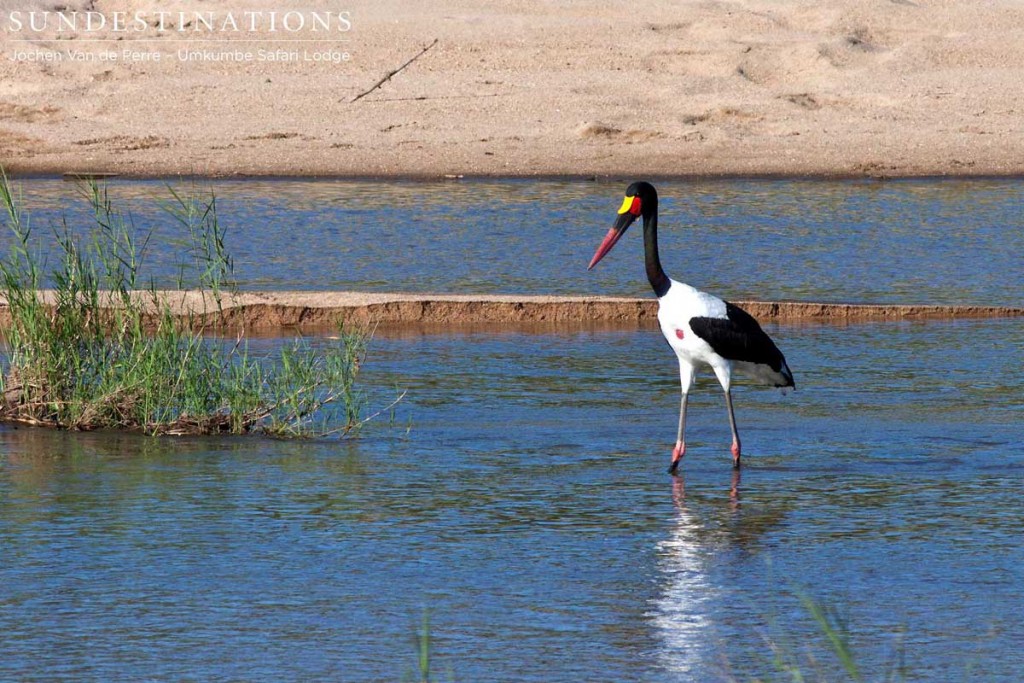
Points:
(738, 337)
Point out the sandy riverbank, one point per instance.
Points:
(580, 87)
(271, 312)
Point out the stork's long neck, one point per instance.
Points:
(655, 273)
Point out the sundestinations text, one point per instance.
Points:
(248, 21)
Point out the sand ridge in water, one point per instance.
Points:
(269, 311)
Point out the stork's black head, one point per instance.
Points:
(641, 200)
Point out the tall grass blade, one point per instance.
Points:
(834, 631)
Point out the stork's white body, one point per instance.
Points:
(680, 304)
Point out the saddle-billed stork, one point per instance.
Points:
(702, 329)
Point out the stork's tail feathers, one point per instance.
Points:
(787, 376)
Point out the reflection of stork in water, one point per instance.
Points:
(694, 595)
(682, 613)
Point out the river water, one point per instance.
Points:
(922, 242)
(518, 496)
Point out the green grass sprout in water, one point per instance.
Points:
(94, 352)
(825, 653)
(422, 642)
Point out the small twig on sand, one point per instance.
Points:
(392, 73)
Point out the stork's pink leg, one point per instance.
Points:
(735, 435)
(680, 449)
(677, 454)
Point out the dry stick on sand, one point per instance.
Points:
(392, 73)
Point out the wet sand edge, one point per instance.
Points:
(265, 311)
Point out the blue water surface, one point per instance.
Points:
(518, 495)
(913, 241)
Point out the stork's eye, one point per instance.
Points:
(630, 205)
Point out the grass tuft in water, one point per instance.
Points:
(423, 644)
(96, 353)
(803, 663)
(834, 627)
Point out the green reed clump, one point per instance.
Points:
(95, 353)
(828, 656)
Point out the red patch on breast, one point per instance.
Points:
(679, 334)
